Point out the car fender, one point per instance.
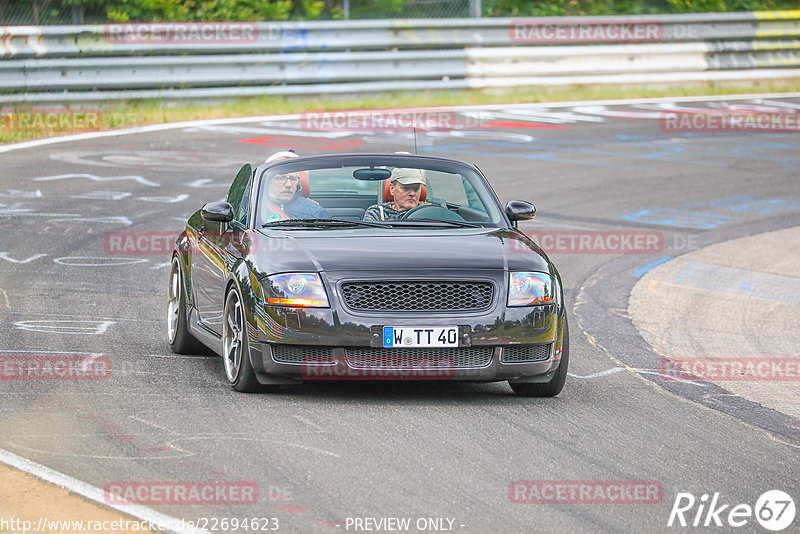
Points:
(249, 289)
(183, 251)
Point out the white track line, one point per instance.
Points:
(601, 373)
(157, 520)
(296, 116)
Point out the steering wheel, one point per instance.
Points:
(431, 211)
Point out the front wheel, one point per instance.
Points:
(235, 346)
(181, 341)
(556, 384)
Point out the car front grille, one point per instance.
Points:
(418, 295)
(525, 353)
(419, 358)
(306, 354)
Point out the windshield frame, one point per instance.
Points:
(326, 161)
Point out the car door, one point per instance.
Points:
(217, 249)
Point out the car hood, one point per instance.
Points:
(398, 249)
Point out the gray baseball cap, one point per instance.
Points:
(407, 176)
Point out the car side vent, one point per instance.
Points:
(525, 353)
(303, 354)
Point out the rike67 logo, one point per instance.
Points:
(774, 510)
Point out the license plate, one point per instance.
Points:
(420, 336)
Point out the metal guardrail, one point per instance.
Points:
(82, 63)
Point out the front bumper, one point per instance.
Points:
(343, 366)
(291, 345)
(525, 347)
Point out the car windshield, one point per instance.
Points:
(407, 192)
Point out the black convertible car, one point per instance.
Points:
(315, 269)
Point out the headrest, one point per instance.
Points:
(387, 196)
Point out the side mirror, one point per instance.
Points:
(217, 212)
(519, 210)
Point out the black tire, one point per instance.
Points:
(235, 346)
(181, 341)
(556, 384)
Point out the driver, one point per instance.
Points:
(283, 198)
(405, 186)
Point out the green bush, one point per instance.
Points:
(101, 11)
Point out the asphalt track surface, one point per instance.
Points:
(320, 454)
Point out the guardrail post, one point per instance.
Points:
(475, 8)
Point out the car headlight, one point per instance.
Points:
(301, 290)
(527, 289)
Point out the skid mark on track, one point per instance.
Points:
(103, 195)
(148, 423)
(93, 177)
(615, 370)
(309, 423)
(49, 326)
(97, 261)
(16, 193)
(5, 256)
(179, 453)
(282, 443)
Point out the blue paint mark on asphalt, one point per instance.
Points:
(545, 156)
(574, 147)
(740, 282)
(669, 153)
(637, 147)
(765, 146)
(650, 266)
(706, 220)
(740, 203)
(681, 218)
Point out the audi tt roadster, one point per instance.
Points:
(368, 267)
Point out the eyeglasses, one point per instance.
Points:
(281, 178)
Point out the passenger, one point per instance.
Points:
(284, 200)
(405, 186)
